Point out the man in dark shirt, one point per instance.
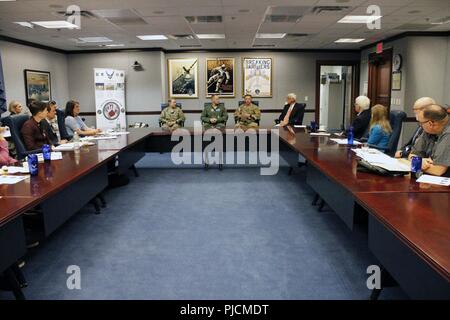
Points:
(361, 122)
(33, 134)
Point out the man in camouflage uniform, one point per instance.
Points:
(172, 116)
(214, 116)
(247, 115)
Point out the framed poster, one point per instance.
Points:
(397, 80)
(183, 78)
(257, 77)
(37, 85)
(220, 77)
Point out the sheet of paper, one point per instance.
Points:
(7, 133)
(70, 146)
(114, 133)
(13, 169)
(441, 181)
(299, 126)
(54, 156)
(11, 179)
(320, 134)
(345, 141)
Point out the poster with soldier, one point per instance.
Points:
(183, 78)
(220, 77)
(257, 77)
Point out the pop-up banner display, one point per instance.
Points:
(110, 98)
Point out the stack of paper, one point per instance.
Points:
(71, 146)
(103, 137)
(54, 156)
(320, 134)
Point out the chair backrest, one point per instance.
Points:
(165, 105)
(396, 118)
(255, 102)
(62, 125)
(15, 124)
(209, 104)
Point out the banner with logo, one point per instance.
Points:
(110, 98)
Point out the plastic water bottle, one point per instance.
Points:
(76, 141)
(46, 152)
(350, 136)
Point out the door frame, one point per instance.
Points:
(355, 84)
(370, 83)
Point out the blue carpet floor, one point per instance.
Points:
(195, 234)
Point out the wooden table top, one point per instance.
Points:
(421, 220)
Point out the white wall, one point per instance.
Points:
(16, 58)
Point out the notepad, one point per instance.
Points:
(441, 181)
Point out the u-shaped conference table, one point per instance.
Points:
(408, 223)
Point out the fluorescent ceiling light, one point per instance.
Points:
(95, 39)
(114, 45)
(153, 37)
(349, 40)
(61, 24)
(359, 19)
(270, 35)
(211, 36)
(24, 23)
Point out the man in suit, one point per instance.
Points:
(50, 124)
(292, 113)
(361, 123)
(417, 107)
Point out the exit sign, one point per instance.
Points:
(379, 47)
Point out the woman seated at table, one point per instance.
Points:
(380, 128)
(5, 158)
(15, 107)
(74, 123)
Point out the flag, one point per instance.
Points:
(2, 90)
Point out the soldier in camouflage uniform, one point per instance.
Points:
(172, 116)
(247, 115)
(214, 116)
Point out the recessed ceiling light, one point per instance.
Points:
(349, 40)
(153, 37)
(24, 24)
(270, 35)
(359, 19)
(60, 24)
(95, 39)
(211, 36)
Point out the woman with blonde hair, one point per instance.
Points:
(380, 128)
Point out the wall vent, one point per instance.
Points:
(204, 19)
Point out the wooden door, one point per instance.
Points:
(380, 75)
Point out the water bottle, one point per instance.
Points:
(46, 152)
(350, 136)
(76, 141)
(33, 164)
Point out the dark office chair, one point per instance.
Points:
(209, 104)
(256, 103)
(15, 124)
(165, 105)
(61, 116)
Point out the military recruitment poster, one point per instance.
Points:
(183, 78)
(110, 98)
(257, 77)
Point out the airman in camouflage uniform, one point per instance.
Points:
(172, 116)
(247, 115)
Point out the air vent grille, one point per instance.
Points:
(328, 9)
(204, 19)
(182, 36)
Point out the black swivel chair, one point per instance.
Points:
(256, 103)
(165, 105)
(61, 116)
(15, 124)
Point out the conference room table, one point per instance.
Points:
(64, 186)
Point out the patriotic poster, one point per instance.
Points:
(257, 77)
(110, 98)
